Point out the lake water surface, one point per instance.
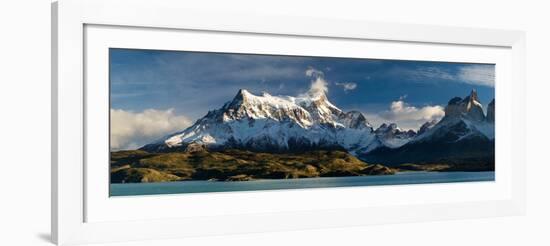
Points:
(130, 189)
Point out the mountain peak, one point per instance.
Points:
(354, 119)
(391, 127)
(239, 99)
(473, 96)
(392, 136)
(242, 94)
(469, 107)
(426, 126)
(319, 96)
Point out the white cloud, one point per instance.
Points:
(312, 72)
(477, 75)
(130, 130)
(470, 74)
(432, 72)
(348, 86)
(319, 85)
(407, 116)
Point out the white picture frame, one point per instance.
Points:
(82, 211)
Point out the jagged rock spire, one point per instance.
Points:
(473, 96)
(469, 107)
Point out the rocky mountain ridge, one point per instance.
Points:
(283, 124)
(465, 136)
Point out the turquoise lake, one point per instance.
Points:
(131, 189)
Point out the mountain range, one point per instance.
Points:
(464, 138)
(286, 124)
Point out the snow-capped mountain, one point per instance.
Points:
(310, 121)
(467, 112)
(276, 123)
(392, 136)
(426, 126)
(464, 135)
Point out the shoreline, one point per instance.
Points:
(397, 173)
(204, 186)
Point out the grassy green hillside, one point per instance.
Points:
(235, 165)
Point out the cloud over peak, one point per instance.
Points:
(319, 86)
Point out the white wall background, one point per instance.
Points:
(25, 122)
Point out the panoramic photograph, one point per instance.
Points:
(192, 122)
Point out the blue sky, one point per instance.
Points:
(188, 84)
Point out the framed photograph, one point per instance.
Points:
(170, 122)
